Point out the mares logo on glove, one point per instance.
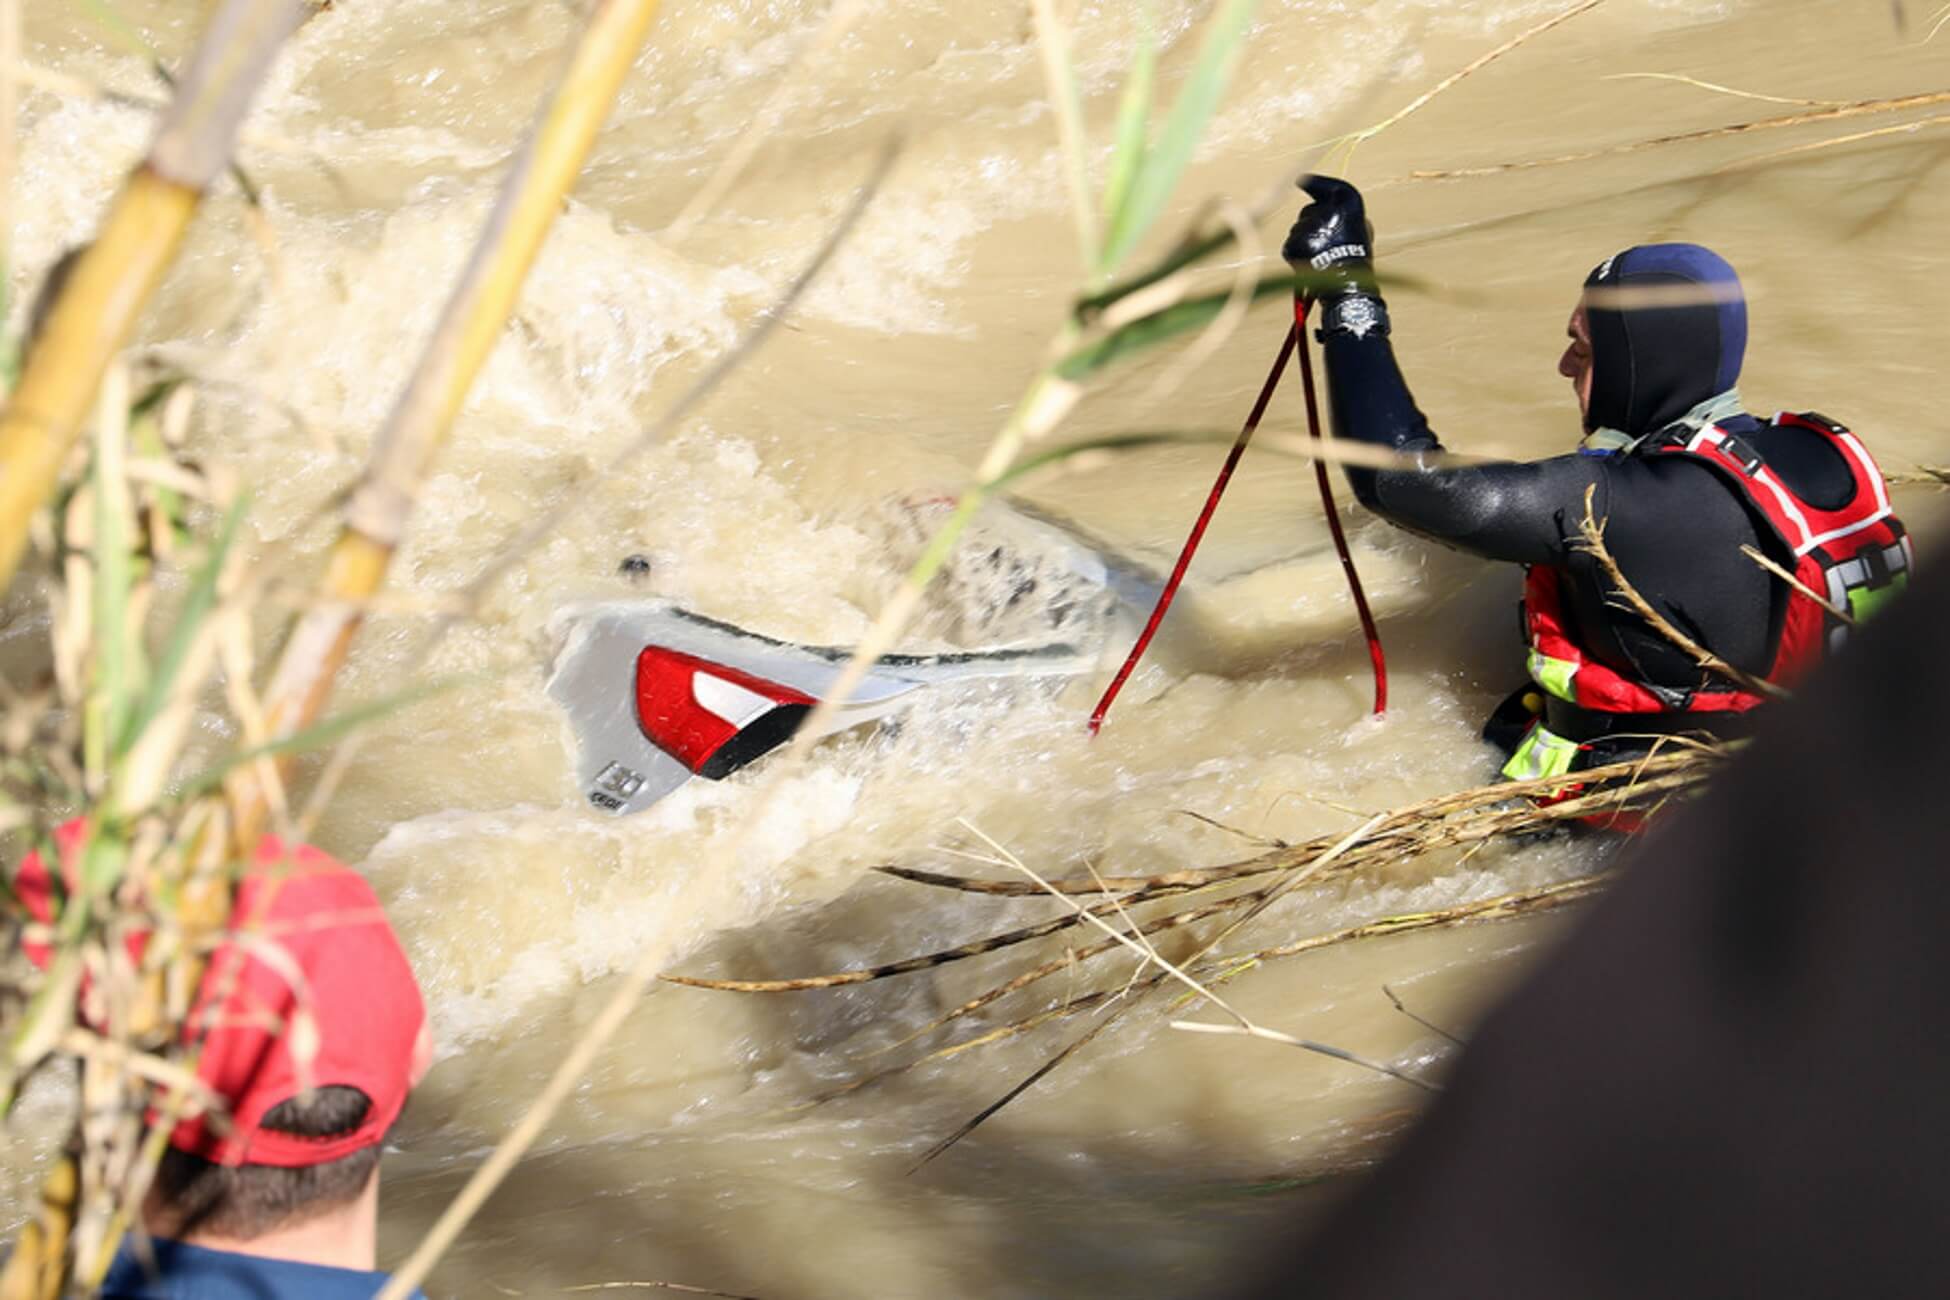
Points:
(1331, 239)
(1339, 253)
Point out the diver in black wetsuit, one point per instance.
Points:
(1656, 345)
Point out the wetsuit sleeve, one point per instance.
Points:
(1527, 513)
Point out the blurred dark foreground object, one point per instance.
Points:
(1731, 1079)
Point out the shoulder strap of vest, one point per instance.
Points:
(1814, 420)
(1792, 519)
(1741, 468)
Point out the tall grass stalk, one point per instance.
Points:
(9, 125)
(84, 1231)
(475, 316)
(1159, 298)
(137, 242)
(590, 1043)
(1142, 176)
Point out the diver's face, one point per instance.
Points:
(1575, 364)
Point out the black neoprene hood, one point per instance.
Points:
(1668, 330)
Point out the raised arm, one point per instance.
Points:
(1526, 513)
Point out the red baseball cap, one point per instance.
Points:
(319, 994)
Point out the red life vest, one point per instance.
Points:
(1855, 556)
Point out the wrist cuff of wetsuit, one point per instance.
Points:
(1356, 315)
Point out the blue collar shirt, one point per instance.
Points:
(184, 1272)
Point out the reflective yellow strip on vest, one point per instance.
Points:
(1863, 602)
(1554, 675)
(1541, 753)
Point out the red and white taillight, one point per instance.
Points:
(711, 718)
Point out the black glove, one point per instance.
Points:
(1332, 244)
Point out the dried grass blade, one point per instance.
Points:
(1475, 65)
(1072, 959)
(864, 975)
(1858, 109)
(1593, 543)
(471, 323)
(1854, 137)
(1718, 89)
(630, 990)
(1175, 971)
(1499, 908)
(1035, 1076)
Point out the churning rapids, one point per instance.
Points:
(1132, 1169)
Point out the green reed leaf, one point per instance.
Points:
(1133, 116)
(49, 1015)
(116, 637)
(1191, 313)
(1180, 317)
(197, 605)
(1191, 111)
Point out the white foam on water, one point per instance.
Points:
(493, 938)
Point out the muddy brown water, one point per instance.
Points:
(1155, 1161)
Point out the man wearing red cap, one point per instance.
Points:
(319, 1036)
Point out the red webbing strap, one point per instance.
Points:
(1295, 336)
(1204, 517)
(1334, 519)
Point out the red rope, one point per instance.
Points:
(1296, 335)
(1334, 519)
(1198, 529)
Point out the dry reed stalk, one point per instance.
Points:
(1798, 585)
(1718, 89)
(1487, 823)
(118, 272)
(9, 124)
(33, 76)
(867, 974)
(1857, 109)
(1463, 817)
(1395, 1000)
(1147, 952)
(471, 324)
(1475, 65)
(1132, 998)
(377, 514)
(1053, 44)
(596, 1035)
(88, 322)
(1173, 277)
(1502, 907)
(1853, 137)
(1073, 958)
(1593, 544)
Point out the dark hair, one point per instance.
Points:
(247, 1201)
